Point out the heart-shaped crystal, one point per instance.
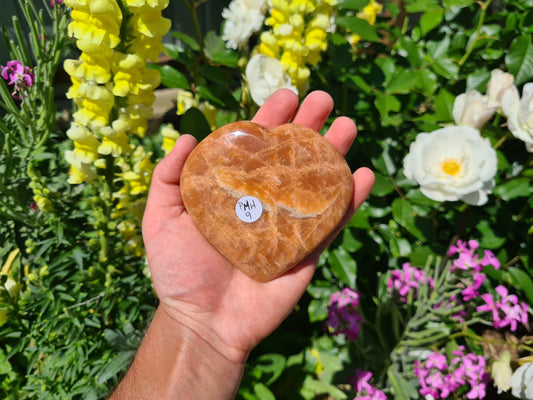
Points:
(265, 198)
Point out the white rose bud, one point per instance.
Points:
(499, 82)
(519, 113)
(473, 109)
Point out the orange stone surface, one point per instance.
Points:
(299, 180)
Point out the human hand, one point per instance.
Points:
(197, 287)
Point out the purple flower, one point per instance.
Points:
(19, 76)
(467, 258)
(406, 280)
(364, 389)
(507, 311)
(439, 379)
(342, 313)
(54, 2)
(472, 290)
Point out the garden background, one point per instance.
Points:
(429, 289)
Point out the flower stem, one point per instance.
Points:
(484, 8)
(192, 9)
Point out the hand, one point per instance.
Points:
(197, 287)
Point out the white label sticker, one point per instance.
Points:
(248, 209)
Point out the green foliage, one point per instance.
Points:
(74, 326)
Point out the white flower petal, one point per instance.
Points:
(265, 75)
(452, 163)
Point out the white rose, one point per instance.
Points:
(265, 75)
(519, 113)
(499, 82)
(473, 109)
(523, 382)
(242, 19)
(452, 163)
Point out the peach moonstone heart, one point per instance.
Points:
(265, 198)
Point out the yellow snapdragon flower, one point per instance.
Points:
(369, 13)
(170, 135)
(298, 36)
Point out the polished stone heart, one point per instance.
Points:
(265, 198)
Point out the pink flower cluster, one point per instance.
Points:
(54, 2)
(406, 280)
(468, 259)
(506, 311)
(439, 379)
(365, 390)
(19, 76)
(342, 313)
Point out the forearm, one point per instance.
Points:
(173, 362)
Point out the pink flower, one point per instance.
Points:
(508, 311)
(364, 389)
(19, 76)
(439, 379)
(468, 259)
(472, 291)
(54, 2)
(342, 313)
(406, 280)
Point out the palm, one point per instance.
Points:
(196, 283)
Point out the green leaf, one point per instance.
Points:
(218, 96)
(519, 187)
(457, 3)
(349, 242)
(315, 387)
(272, 364)
(384, 163)
(262, 392)
(185, 57)
(360, 218)
(115, 367)
(444, 105)
(519, 59)
(399, 247)
(402, 389)
(412, 51)
(343, 266)
(422, 6)
(387, 103)
(522, 280)
(359, 26)
(427, 81)
(194, 123)
(188, 40)
(215, 74)
(354, 5)
(403, 214)
(216, 51)
(430, 20)
(318, 310)
(446, 68)
(171, 77)
(489, 238)
(402, 82)
(382, 186)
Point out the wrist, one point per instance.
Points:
(175, 362)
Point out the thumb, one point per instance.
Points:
(164, 189)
